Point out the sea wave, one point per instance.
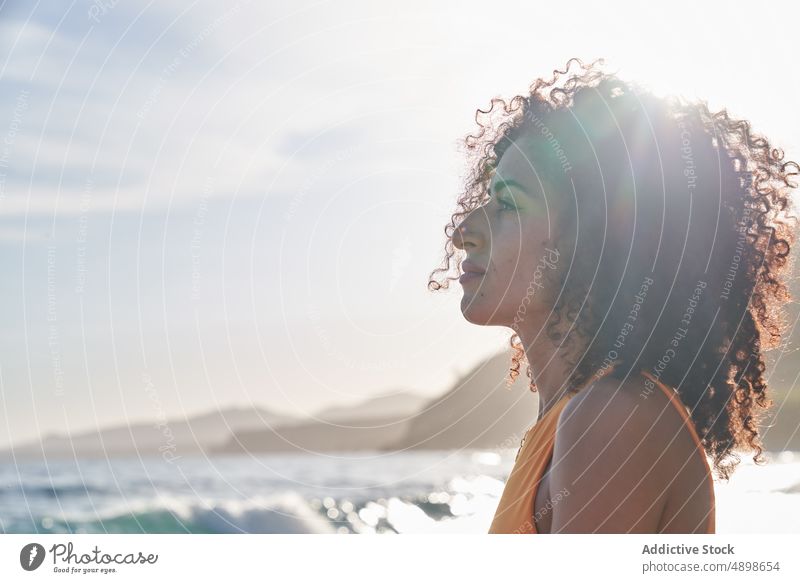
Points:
(287, 513)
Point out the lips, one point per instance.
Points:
(471, 267)
(472, 272)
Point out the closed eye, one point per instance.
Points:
(505, 206)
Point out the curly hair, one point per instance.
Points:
(695, 242)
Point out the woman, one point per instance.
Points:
(638, 247)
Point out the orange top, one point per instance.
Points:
(514, 513)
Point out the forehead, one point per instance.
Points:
(524, 161)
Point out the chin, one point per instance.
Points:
(479, 312)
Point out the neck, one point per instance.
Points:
(549, 368)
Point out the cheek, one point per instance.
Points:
(514, 243)
(524, 264)
(511, 274)
(507, 257)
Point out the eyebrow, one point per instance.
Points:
(501, 184)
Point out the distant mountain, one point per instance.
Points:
(369, 425)
(311, 437)
(478, 412)
(389, 405)
(218, 432)
(174, 437)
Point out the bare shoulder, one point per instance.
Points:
(611, 455)
(613, 405)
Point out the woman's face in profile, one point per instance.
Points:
(508, 238)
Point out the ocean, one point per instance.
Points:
(348, 493)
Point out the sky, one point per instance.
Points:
(209, 204)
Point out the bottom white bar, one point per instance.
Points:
(330, 558)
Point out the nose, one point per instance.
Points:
(469, 234)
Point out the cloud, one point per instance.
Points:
(174, 99)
